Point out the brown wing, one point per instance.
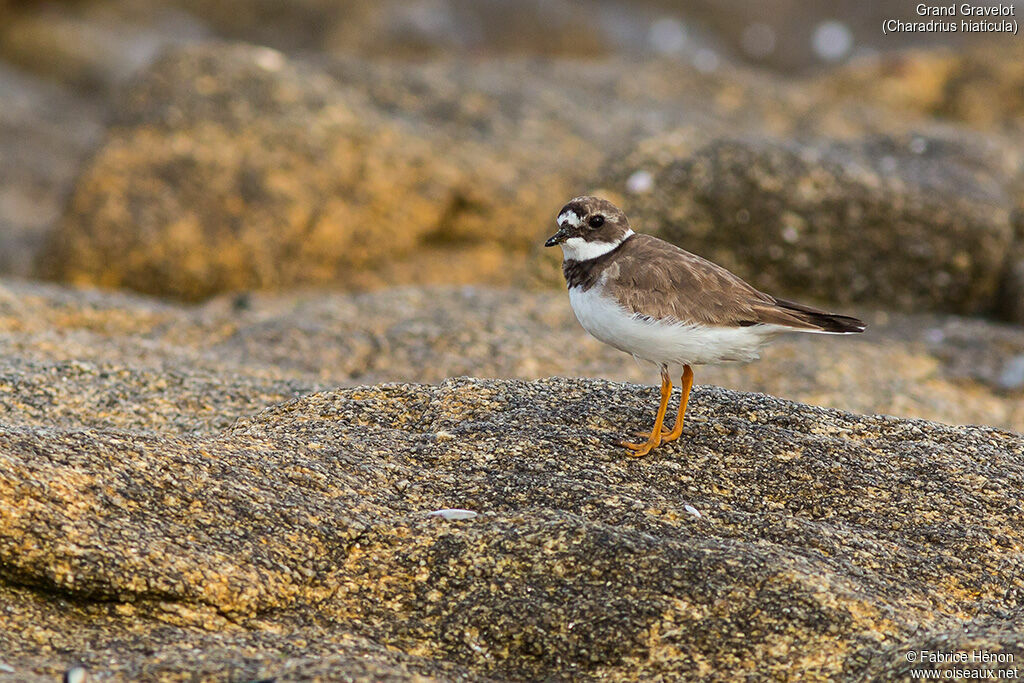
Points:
(660, 280)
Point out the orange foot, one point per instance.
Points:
(659, 435)
(639, 450)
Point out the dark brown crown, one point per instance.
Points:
(593, 219)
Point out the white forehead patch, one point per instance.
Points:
(578, 249)
(569, 217)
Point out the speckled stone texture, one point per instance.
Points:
(913, 222)
(250, 488)
(775, 540)
(101, 360)
(181, 479)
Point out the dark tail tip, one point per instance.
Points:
(830, 322)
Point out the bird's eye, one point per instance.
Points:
(596, 221)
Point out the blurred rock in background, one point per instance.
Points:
(341, 157)
(45, 134)
(912, 221)
(230, 167)
(784, 35)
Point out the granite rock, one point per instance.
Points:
(81, 359)
(277, 172)
(775, 540)
(262, 175)
(911, 221)
(182, 494)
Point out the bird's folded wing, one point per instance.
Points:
(660, 281)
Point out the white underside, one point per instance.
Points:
(667, 343)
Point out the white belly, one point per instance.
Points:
(668, 343)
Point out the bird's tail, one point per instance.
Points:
(810, 319)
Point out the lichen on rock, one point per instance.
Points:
(818, 531)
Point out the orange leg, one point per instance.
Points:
(654, 440)
(677, 430)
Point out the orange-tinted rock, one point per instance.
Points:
(981, 87)
(183, 494)
(233, 167)
(229, 168)
(302, 539)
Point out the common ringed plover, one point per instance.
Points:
(667, 306)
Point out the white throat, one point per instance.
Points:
(578, 249)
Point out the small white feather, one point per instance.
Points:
(453, 514)
(578, 249)
(571, 218)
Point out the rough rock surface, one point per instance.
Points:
(263, 175)
(101, 360)
(775, 540)
(185, 494)
(913, 222)
(141, 525)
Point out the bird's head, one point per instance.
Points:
(589, 227)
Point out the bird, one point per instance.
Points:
(666, 306)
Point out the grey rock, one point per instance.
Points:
(45, 134)
(86, 359)
(158, 519)
(912, 222)
(1011, 377)
(283, 537)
